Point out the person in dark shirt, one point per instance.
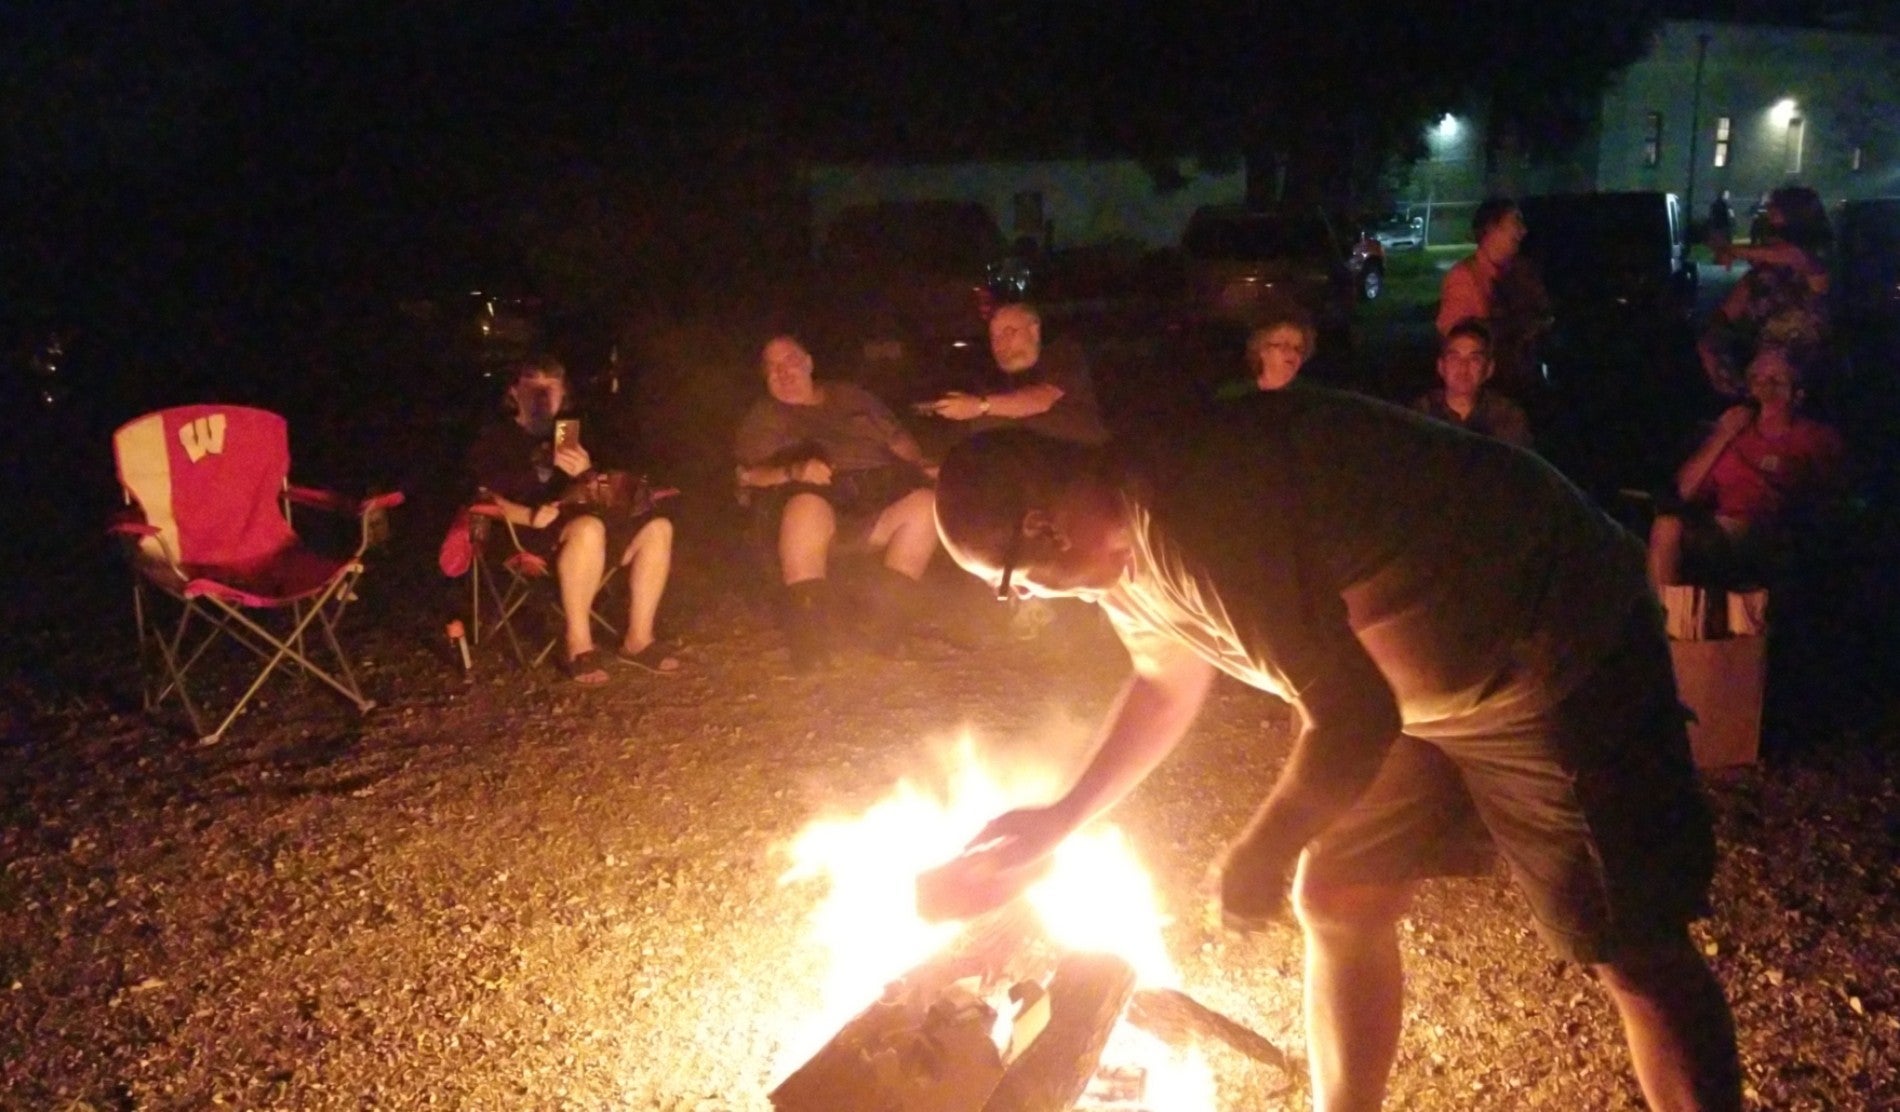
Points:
(824, 463)
(538, 485)
(1464, 366)
(1045, 389)
(1471, 675)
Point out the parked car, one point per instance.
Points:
(1241, 263)
(1867, 262)
(1395, 232)
(915, 281)
(1366, 261)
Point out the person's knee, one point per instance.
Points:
(657, 533)
(1325, 908)
(919, 507)
(805, 528)
(584, 535)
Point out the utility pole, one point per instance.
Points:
(1695, 125)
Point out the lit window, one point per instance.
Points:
(1854, 160)
(1652, 146)
(1721, 140)
(1797, 132)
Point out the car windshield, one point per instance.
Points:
(929, 236)
(1257, 237)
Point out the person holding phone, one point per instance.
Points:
(532, 462)
(1760, 467)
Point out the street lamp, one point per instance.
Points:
(1783, 113)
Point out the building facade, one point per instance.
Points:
(1712, 106)
(1748, 109)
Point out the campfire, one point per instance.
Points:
(1064, 998)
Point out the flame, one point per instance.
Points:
(1097, 897)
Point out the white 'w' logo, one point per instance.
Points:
(203, 436)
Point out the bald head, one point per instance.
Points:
(1016, 337)
(1047, 510)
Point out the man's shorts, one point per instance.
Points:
(1594, 806)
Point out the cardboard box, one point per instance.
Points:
(1721, 682)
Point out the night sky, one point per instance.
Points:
(233, 151)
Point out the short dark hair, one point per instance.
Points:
(1286, 316)
(537, 363)
(989, 481)
(1489, 212)
(1473, 327)
(1806, 224)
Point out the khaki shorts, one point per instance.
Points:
(1594, 806)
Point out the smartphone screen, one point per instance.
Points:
(567, 432)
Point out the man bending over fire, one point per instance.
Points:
(1472, 674)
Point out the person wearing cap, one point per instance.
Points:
(1473, 676)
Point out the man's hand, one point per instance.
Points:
(1009, 855)
(957, 406)
(572, 459)
(815, 472)
(1734, 421)
(1249, 884)
(543, 516)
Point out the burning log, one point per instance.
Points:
(1086, 998)
(1179, 1020)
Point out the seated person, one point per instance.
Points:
(540, 488)
(822, 462)
(1464, 366)
(1275, 353)
(1046, 390)
(1762, 466)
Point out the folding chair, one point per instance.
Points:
(504, 578)
(208, 525)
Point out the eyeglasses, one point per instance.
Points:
(1012, 553)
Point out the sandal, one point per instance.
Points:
(657, 659)
(587, 669)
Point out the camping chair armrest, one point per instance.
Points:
(337, 503)
(131, 524)
(372, 512)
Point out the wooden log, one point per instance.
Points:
(1181, 1021)
(924, 1045)
(883, 1062)
(1086, 997)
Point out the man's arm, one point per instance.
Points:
(1695, 470)
(1350, 721)
(1025, 401)
(1150, 716)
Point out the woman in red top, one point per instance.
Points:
(1762, 463)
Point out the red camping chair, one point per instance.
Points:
(208, 525)
(505, 577)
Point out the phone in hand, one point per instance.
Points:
(567, 433)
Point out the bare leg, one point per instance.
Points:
(805, 530)
(1665, 551)
(578, 567)
(1677, 1023)
(649, 562)
(1355, 989)
(907, 531)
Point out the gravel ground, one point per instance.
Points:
(513, 894)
